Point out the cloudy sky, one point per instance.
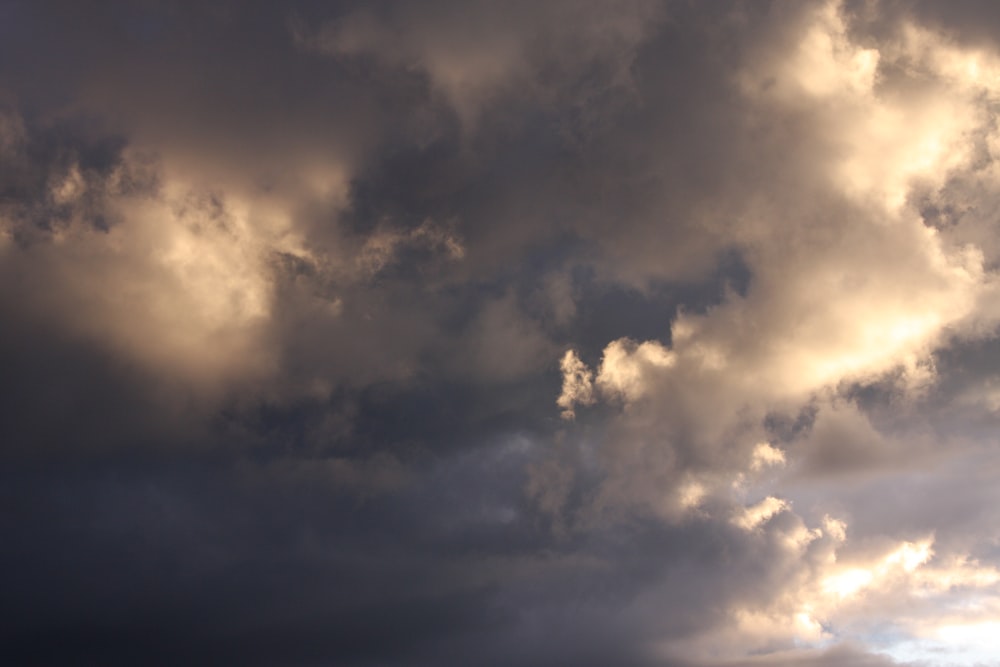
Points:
(596, 333)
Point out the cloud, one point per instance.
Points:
(765, 455)
(578, 384)
(175, 273)
(635, 333)
(761, 512)
(849, 288)
(478, 56)
(848, 283)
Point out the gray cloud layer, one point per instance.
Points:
(584, 333)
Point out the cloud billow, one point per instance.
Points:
(632, 333)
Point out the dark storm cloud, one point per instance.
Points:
(206, 563)
(285, 290)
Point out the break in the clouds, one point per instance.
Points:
(499, 333)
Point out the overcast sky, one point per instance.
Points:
(584, 333)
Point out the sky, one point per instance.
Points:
(632, 333)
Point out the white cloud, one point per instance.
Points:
(627, 367)
(578, 384)
(827, 590)
(754, 516)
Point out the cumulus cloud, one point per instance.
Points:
(631, 333)
(831, 591)
(578, 384)
(173, 276)
(850, 287)
(766, 455)
(848, 284)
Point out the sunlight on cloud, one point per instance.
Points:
(858, 293)
(578, 384)
(981, 635)
(180, 281)
(754, 516)
(848, 582)
(892, 146)
(848, 295)
(956, 642)
(289, 290)
(627, 367)
(852, 580)
(691, 494)
(830, 595)
(766, 455)
(887, 139)
(825, 62)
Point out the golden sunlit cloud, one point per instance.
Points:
(180, 282)
(862, 292)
